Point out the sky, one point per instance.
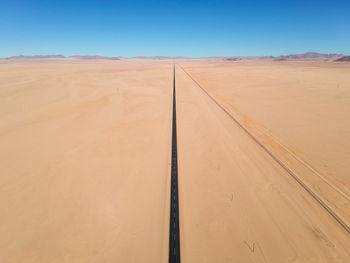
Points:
(174, 28)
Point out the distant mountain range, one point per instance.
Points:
(22, 57)
(304, 56)
(157, 57)
(236, 58)
(310, 56)
(343, 59)
(89, 57)
(292, 57)
(59, 57)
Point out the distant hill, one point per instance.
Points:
(233, 59)
(158, 57)
(305, 56)
(236, 58)
(309, 56)
(60, 57)
(93, 57)
(22, 57)
(343, 59)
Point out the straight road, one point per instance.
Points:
(174, 235)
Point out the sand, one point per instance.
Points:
(299, 110)
(304, 105)
(85, 171)
(84, 157)
(238, 204)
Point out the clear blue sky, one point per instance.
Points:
(173, 28)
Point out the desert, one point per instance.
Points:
(246, 200)
(85, 151)
(86, 156)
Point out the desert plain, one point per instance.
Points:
(263, 160)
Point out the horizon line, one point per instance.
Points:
(38, 56)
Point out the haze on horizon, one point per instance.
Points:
(174, 28)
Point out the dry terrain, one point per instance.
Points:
(84, 157)
(263, 152)
(238, 203)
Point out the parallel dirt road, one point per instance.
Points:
(237, 204)
(302, 105)
(85, 154)
(85, 150)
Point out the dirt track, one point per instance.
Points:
(235, 197)
(86, 151)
